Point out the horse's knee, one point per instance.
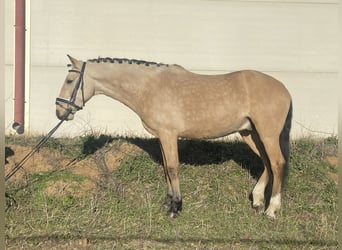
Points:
(173, 172)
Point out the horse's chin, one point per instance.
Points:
(64, 116)
(70, 117)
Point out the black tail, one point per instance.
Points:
(284, 141)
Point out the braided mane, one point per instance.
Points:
(125, 60)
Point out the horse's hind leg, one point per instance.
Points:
(277, 163)
(169, 146)
(253, 141)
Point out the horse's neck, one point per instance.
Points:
(129, 84)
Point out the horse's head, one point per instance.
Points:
(73, 94)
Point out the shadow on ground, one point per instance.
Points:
(192, 152)
(8, 153)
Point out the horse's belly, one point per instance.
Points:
(215, 128)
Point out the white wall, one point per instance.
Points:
(293, 41)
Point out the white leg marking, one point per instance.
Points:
(258, 194)
(275, 203)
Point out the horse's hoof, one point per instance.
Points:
(258, 208)
(173, 215)
(270, 214)
(168, 201)
(167, 205)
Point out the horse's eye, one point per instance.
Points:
(69, 81)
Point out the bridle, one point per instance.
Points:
(79, 85)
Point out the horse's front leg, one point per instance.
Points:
(169, 148)
(169, 194)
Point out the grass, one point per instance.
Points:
(216, 180)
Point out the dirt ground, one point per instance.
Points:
(92, 169)
(333, 161)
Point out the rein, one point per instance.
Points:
(35, 149)
(42, 141)
(79, 85)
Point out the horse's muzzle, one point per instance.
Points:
(64, 114)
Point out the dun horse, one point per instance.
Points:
(175, 103)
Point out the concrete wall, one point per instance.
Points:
(294, 41)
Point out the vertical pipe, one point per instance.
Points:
(19, 67)
(27, 64)
(2, 126)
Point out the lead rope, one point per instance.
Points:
(35, 149)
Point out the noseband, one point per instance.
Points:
(79, 85)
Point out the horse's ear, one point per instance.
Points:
(75, 63)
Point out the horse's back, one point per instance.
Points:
(244, 91)
(200, 106)
(261, 84)
(241, 82)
